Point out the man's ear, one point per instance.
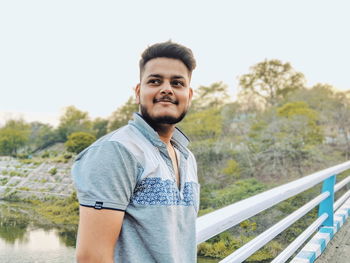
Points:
(190, 96)
(137, 93)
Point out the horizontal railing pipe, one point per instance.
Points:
(222, 219)
(288, 251)
(341, 200)
(341, 184)
(248, 249)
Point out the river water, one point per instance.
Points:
(27, 238)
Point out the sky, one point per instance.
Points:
(85, 53)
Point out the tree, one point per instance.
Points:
(215, 95)
(13, 136)
(269, 81)
(78, 141)
(204, 124)
(41, 136)
(334, 110)
(282, 140)
(309, 131)
(123, 114)
(99, 127)
(73, 120)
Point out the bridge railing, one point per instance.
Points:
(222, 219)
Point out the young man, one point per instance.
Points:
(137, 186)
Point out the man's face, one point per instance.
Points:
(164, 94)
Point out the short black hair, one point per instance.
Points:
(168, 49)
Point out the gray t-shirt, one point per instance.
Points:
(130, 170)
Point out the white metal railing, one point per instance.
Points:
(222, 219)
(288, 251)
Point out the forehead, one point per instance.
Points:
(166, 67)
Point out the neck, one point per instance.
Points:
(165, 132)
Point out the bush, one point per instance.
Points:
(67, 156)
(78, 141)
(16, 173)
(241, 189)
(45, 155)
(3, 181)
(53, 171)
(22, 156)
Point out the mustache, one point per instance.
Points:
(166, 99)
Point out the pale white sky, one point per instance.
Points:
(85, 53)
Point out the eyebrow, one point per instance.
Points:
(154, 76)
(160, 76)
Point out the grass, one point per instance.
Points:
(14, 184)
(3, 181)
(24, 188)
(59, 211)
(53, 171)
(17, 173)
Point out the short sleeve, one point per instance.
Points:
(105, 176)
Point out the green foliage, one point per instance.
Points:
(58, 210)
(241, 189)
(99, 127)
(270, 81)
(23, 188)
(53, 171)
(78, 141)
(310, 131)
(334, 113)
(123, 114)
(11, 195)
(213, 96)
(224, 244)
(41, 136)
(67, 156)
(13, 225)
(248, 226)
(283, 139)
(3, 181)
(204, 124)
(34, 162)
(17, 173)
(13, 136)
(209, 160)
(232, 169)
(268, 252)
(46, 154)
(73, 120)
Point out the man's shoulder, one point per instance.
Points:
(128, 138)
(122, 135)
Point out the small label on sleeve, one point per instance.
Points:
(98, 205)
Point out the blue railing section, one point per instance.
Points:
(222, 219)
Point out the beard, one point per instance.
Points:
(154, 121)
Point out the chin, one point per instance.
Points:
(163, 117)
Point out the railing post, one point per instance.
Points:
(326, 206)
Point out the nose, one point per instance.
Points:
(166, 88)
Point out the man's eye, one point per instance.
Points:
(178, 83)
(154, 81)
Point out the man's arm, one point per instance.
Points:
(97, 234)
